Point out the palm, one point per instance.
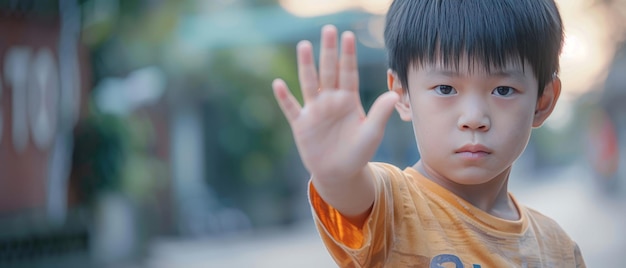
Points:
(333, 135)
(326, 134)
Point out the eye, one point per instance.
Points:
(503, 91)
(445, 90)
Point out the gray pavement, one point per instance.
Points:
(569, 196)
(299, 246)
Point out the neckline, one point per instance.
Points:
(485, 220)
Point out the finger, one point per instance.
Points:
(306, 70)
(348, 70)
(287, 102)
(328, 58)
(379, 113)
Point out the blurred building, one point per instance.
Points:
(43, 81)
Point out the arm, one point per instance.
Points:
(334, 136)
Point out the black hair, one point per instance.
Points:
(492, 32)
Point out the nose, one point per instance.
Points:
(474, 115)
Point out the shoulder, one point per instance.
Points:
(384, 167)
(549, 233)
(547, 227)
(401, 187)
(388, 171)
(391, 178)
(540, 219)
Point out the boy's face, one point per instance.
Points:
(471, 126)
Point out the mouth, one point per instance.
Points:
(474, 150)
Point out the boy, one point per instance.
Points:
(474, 77)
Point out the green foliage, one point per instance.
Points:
(248, 137)
(99, 154)
(111, 153)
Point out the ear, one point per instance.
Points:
(403, 106)
(547, 101)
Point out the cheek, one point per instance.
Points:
(428, 111)
(515, 126)
(431, 126)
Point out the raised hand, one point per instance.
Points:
(334, 136)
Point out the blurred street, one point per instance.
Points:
(569, 196)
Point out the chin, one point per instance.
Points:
(471, 178)
(469, 181)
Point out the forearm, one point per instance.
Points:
(353, 197)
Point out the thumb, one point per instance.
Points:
(381, 111)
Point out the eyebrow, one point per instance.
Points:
(498, 73)
(508, 73)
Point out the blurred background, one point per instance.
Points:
(144, 133)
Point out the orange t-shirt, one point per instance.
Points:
(417, 223)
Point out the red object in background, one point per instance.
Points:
(603, 147)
